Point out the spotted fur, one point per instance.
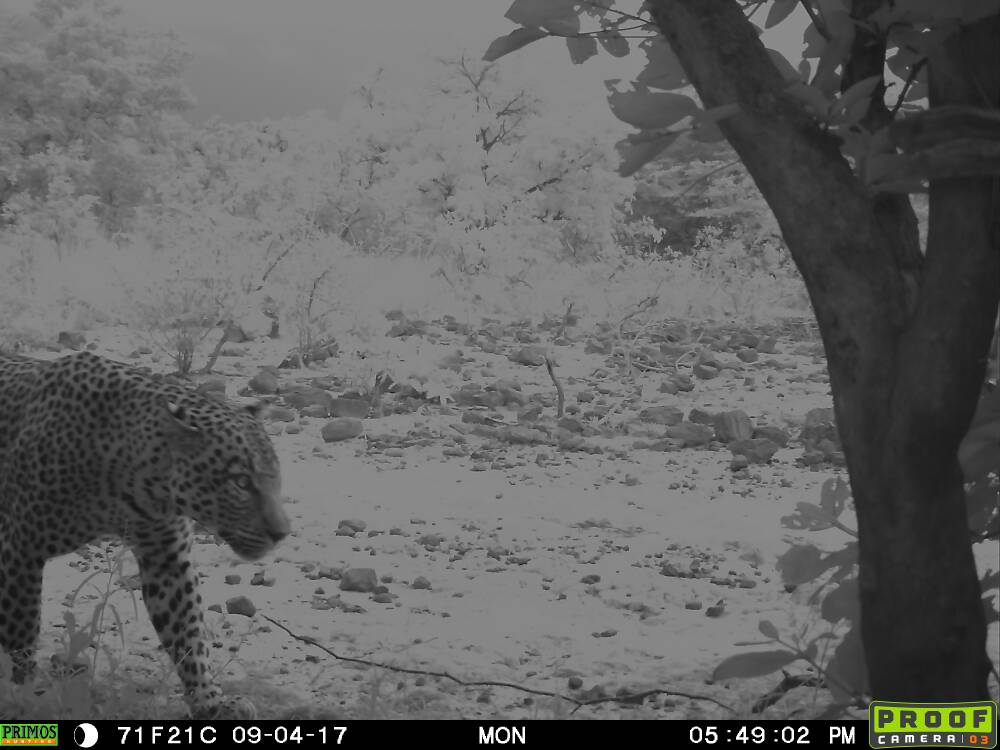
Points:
(91, 448)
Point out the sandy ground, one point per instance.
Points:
(532, 566)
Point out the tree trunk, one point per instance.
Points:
(906, 338)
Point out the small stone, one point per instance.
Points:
(665, 414)
(337, 430)
(264, 382)
(532, 356)
(349, 407)
(733, 425)
(358, 579)
(240, 605)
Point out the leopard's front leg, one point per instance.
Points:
(170, 590)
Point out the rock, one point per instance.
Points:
(571, 425)
(772, 433)
(315, 411)
(342, 429)
(743, 339)
(747, 355)
(354, 524)
(716, 610)
(353, 408)
(264, 382)
(212, 386)
(532, 356)
(664, 414)
(308, 396)
(358, 579)
(690, 434)
(820, 425)
(72, 340)
(405, 327)
(240, 605)
(684, 383)
(520, 435)
(756, 450)
(668, 386)
(733, 425)
(767, 345)
(706, 370)
(420, 583)
(280, 414)
(700, 416)
(531, 414)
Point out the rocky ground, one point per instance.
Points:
(585, 513)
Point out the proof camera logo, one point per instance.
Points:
(971, 724)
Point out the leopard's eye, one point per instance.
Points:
(242, 481)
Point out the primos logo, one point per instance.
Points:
(25, 735)
(932, 724)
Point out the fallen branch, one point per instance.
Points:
(560, 395)
(578, 704)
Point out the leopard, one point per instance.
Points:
(92, 448)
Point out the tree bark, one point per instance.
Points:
(906, 338)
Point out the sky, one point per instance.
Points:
(255, 59)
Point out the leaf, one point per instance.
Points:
(779, 12)
(516, 39)
(853, 103)
(979, 451)
(537, 13)
(638, 150)
(814, 99)
(663, 70)
(648, 110)
(833, 496)
(802, 563)
(614, 44)
(809, 517)
(581, 48)
(717, 113)
(784, 67)
(756, 664)
(981, 502)
(707, 132)
(990, 610)
(766, 628)
(847, 670)
(814, 41)
(567, 26)
(843, 603)
(836, 52)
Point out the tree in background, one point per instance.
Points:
(834, 147)
(86, 114)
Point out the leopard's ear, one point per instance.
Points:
(257, 409)
(178, 427)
